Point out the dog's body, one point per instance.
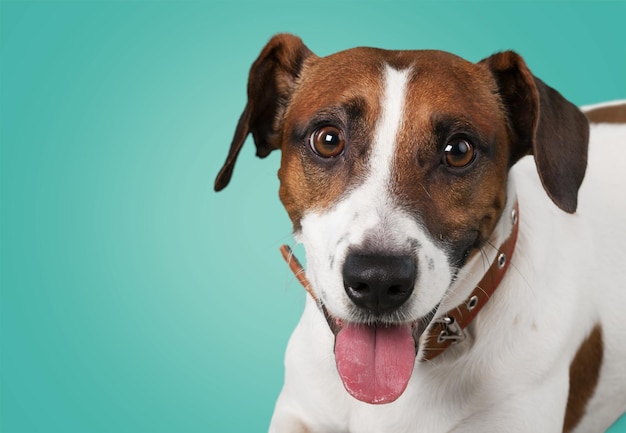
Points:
(401, 172)
(514, 375)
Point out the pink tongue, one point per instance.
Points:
(375, 362)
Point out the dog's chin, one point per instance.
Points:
(375, 357)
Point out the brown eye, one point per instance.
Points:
(327, 142)
(458, 153)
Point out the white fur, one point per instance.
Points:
(566, 275)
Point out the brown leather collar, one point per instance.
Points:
(449, 328)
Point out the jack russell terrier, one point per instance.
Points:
(457, 284)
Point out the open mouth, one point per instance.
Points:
(374, 360)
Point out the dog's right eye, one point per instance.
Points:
(327, 142)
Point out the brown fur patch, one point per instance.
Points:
(583, 377)
(609, 114)
(343, 90)
(459, 207)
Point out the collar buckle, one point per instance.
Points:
(451, 330)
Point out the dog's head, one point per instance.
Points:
(394, 174)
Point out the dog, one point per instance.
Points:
(464, 278)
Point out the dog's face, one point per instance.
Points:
(395, 168)
(394, 174)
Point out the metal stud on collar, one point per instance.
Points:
(472, 303)
(501, 260)
(502, 257)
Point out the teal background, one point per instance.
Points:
(133, 297)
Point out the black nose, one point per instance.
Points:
(379, 284)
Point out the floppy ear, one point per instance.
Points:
(544, 124)
(271, 82)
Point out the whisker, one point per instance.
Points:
(426, 191)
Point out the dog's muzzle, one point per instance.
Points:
(378, 285)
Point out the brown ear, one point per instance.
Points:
(544, 124)
(271, 82)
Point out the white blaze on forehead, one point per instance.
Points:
(384, 145)
(328, 235)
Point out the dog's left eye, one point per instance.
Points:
(327, 141)
(458, 153)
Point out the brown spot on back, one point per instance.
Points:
(608, 114)
(584, 372)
